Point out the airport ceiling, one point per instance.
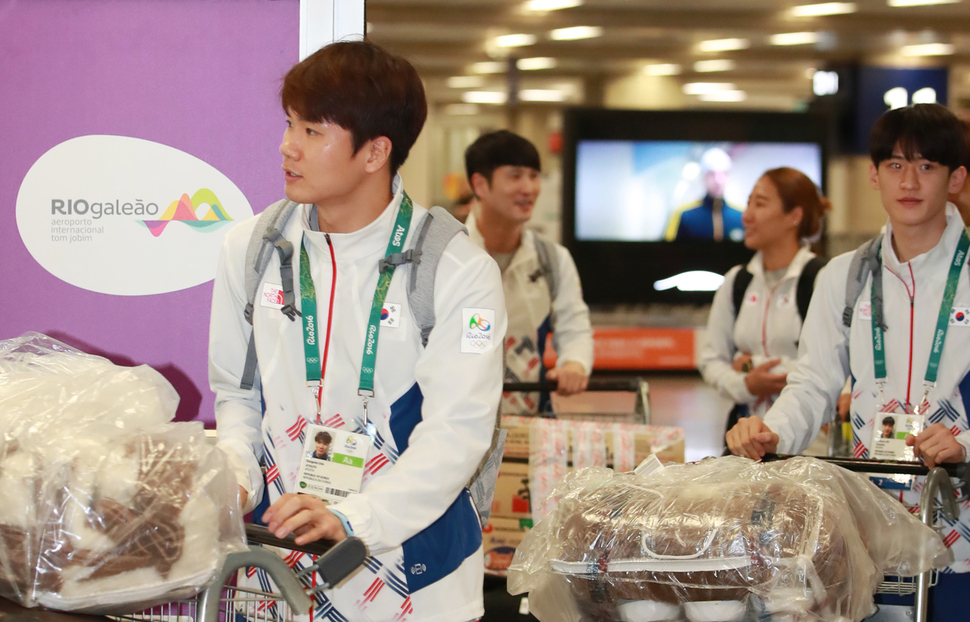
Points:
(760, 45)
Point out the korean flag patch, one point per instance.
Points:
(960, 316)
(391, 315)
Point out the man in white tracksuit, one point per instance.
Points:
(430, 411)
(916, 161)
(503, 170)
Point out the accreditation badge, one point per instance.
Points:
(889, 436)
(332, 467)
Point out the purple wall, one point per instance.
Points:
(199, 75)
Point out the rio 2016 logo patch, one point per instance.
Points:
(476, 333)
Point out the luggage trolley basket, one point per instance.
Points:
(222, 601)
(939, 497)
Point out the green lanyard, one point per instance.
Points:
(308, 296)
(942, 324)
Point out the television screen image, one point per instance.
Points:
(654, 191)
(652, 200)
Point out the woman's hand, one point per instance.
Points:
(760, 381)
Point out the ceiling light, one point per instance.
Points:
(550, 5)
(465, 82)
(717, 64)
(794, 38)
(541, 95)
(538, 62)
(484, 97)
(826, 8)
(575, 32)
(515, 41)
(919, 2)
(488, 67)
(928, 49)
(461, 109)
(702, 88)
(662, 69)
(723, 45)
(724, 96)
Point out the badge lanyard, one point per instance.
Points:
(311, 347)
(939, 335)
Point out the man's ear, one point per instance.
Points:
(957, 177)
(873, 176)
(378, 152)
(479, 184)
(796, 216)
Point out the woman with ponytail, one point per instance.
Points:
(757, 314)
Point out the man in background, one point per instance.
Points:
(542, 289)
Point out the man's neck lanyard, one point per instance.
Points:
(939, 335)
(311, 347)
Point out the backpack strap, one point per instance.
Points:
(266, 236)
(865, 261)
(806, 284)
(434, 232)
(741, 281)
(548, 264)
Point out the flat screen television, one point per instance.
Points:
(651, 195)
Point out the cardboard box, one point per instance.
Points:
(665, 442)
(500, 538)
(512, 499)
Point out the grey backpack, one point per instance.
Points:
(865, 261)
(434, 231)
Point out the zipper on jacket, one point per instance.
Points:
(912, 304)
(326, 343)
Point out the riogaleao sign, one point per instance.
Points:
(126, 216)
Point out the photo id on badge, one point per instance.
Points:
(332, 467)
(889, 436)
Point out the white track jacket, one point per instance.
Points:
(912, 294)
(767, 327)
(434, 408)
(533, 314)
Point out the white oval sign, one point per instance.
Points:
(126, 216)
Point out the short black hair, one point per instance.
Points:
(500, 148)
(927, 131)
(323, 437)
(888, 421)
(362, 88)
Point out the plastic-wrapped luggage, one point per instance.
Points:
(105, 504)
(720, 540)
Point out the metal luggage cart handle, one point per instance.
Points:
(638, 386)
(336, 562)
(938, 481)
(595, 384)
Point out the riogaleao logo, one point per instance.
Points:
(114, 214)
(184, 211)
(477, 321)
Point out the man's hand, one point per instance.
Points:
(751, 438)
(571, 376)
(243, 497)
(936, 445)
(842, 406)
(306, 516)
(760, 380)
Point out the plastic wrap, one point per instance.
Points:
(105, 504)
(717, 541)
